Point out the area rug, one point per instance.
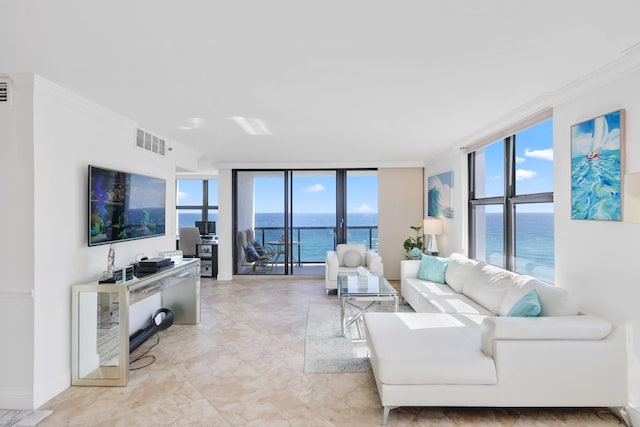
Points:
(17, 418)
(326, 350)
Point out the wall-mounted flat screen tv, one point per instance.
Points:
(124, 206)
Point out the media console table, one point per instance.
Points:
(99, 345)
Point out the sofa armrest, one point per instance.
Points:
(332, 264)
(567, 328)
(373, 262)
(408, 268)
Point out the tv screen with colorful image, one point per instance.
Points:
(124, 206)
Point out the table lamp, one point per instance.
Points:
(432, 227)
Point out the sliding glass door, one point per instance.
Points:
(296, 216)
(362, 207)
(259, 220)
(313, 208)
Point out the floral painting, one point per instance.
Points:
(596, 168)
(440, 195)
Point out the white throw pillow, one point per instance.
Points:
(351, 259)
(458, 271)
(487, 285)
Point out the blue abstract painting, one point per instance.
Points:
(440, 195)
(596, 168)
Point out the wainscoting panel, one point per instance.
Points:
(16, 338)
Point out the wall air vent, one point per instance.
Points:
(4, 91)
(150, 142)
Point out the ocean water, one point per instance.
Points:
(315, 232)
(534, 245)
(595, 187)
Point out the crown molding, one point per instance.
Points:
(625, 64)
(318, 165)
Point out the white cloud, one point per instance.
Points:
(522, 174)
(315, 188)
(182, 195)
(546, 154)
(495, 177)
(520, 159)
(364, 209)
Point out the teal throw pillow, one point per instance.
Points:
(432, 268)
(527, 306)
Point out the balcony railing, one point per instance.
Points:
(310, 244)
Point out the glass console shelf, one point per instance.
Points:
(103, 316)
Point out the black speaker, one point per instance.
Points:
(161, 319)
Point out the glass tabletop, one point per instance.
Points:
(364, 284)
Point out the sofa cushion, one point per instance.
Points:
(554, 301)
(425, 348)
(252, 254)
(432, 297)
(343, 248)
(527, 306)
(487, 285)
(458, 268)
(432, 268)
(352, 259)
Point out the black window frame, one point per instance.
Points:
(204, 207)
(509, 200)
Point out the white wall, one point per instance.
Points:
(50, 193)
(454, 235)
(16, 252)
(225, 225)
(597, 260)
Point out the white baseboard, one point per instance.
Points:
(634, 415)
(16, 400)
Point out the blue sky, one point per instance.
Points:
(190, 192)
(317, 194)
(311, 193)
(534, 165)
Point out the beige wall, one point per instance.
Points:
(400, 205)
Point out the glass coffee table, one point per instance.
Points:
(367, 287)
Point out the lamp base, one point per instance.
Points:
(432, 248)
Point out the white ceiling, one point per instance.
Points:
(334, 81)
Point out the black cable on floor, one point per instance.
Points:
(145, 355)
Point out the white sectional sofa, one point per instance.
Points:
(461, 349)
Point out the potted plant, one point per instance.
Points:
(413, 245)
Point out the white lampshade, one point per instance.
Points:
(432, 226)
(631, 202)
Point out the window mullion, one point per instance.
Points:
(509, 191)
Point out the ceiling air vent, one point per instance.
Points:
(150, 142)
(4, 91)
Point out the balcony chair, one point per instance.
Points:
(253, 254)
(347, 258)
(189, 241)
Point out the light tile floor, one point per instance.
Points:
(243, 366)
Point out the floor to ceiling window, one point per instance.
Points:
(362, 208)
(196, 200)
(511, 202)
(296, 216)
